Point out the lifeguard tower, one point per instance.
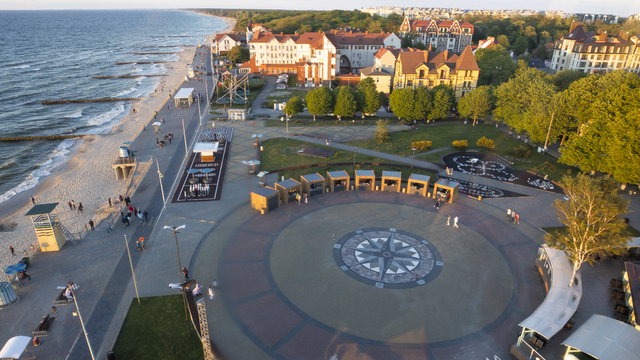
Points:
(52, 235)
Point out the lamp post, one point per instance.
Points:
(174, 231)
(71, 287)
(299, 153)
(164, 201)
(184, 134)
(132, 273)
(199, 111)
(413, 156)
(287, 124)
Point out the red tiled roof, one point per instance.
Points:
(267, 37)
(467, 61)
(395, 52)
(411, 60)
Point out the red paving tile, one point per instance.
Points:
(247, 246)
(314, 343)
(245, 280)
(377, 196)
(268, 318)
(269, 223)
(342, 197)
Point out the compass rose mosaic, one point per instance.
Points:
(387, 258)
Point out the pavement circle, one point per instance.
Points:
(285, 285)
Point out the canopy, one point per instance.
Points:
(41, 209)
(634, 242)
(606, 339)
(561, 301)
(205, 147)
(184, 93)
(14, 348)
(14, 269)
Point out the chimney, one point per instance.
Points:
(446, 54)
(281, 33)
(574, 24)
(624, 35)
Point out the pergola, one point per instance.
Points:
(604, 338)
(391, 181)
(184, 97)
(418, 184)
(365, 179)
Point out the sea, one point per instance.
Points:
(52, 55)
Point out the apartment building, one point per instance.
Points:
(448, 35)
(223, 43)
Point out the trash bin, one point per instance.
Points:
(25, 260)
(111, 355)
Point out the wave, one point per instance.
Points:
(36, 69)
(8, 164)
(172, 57)
(125, 92)
(21, 67)
(75, 115)
(56, 158)
(108, 116)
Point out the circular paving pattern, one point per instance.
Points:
(387, 258)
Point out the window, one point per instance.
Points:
(442, 74)
(410, 83)
(421, 74)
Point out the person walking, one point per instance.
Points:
(513, 216)
(455, 222)
(509, 214)
(73, 203)
(140, 217)
(185, 273)
(517, 219)
(109, 202)
(70, 205)
(145, 214)
(211, 292)
(33, 200)
(91, 224)
(449, 220)
(109, 229)
(12, 250)
(80, 207)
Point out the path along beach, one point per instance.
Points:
(88, 176)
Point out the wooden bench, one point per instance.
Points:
(61, 299)
(43, 326)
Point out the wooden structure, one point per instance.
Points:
(365, 180)
(125, 164)
(237, 114)
(184, 97)
(338, 181)
(443, 186)
(312, 184)
(418, 184)
(288, 190)
(50, 232)
(391, 181)
(265, 199)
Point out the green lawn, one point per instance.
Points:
(307, 120)
(443, 135)
(633, 232)
(157, 329)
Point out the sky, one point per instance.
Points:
(621, 8)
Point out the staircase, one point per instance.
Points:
(67, 234)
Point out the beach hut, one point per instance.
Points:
(391, 181)
(8, 297)
(288, 190)
(312, 184)
(265, 199)
(184, 97)
(445, 188)
(418, 184)
(50, 232)
(365, 179)
(338, 181)
(207, 150)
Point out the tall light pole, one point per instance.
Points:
(164, 201)
(71, 286)
(413, 156)
(184, 133)
(131, 263)
(174, 231)
(199, 112)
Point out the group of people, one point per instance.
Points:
(168, 137)
(299, 198)
(512, 216)
(72, 206)
(132, 213)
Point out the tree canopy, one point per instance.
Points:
(294, 106)
(345, 102)
(402, 103)
(319, 101)
(477, 104)
(496, 65)
(238, 54)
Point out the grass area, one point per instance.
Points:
(443, 135)
(157, 329)
(307, 120)
(633, 232)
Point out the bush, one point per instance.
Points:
(421, 145)
(486, 143)
(460, 144)
(382, 134)
(521, 151)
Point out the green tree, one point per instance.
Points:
(238, 54)
(541, 52)
(294, 106)
(503, 40)
(371, 101)
(592, 217)
(443, 102)
(496, 65)
(423, 102)
(319, 101)
(382, 133)
(402, 103)
(521, 45)
(367, 83)
(477, 104)
(563, 79)
(345, 102)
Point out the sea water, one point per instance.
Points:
(52, 55)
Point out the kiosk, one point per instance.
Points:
(265, 199)
(418, 184)
(365, 179)
(184, 97)
(338, 180)
(288, 190)
(50, 232)
(443, 186)
(312, 184)
(391, 181)
(207, 150)
(237, 114)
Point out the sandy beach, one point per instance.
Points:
(88, 176)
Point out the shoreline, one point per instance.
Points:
(88, 166)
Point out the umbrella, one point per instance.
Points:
(128, 142)
(256, 136)
(14, 269)
(206, 171)
(157, 123)
(193, 171)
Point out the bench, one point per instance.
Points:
(61, 299)
(43, 326)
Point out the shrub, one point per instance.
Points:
(421, 145)
(486, 143)
(460, 144)
(521, 151)
(382, 134)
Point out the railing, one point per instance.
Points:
(524, 348)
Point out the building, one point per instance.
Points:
(223, 43)
(591, 18)
(427, 68)
(595, 52)
(385, 59)
(635, 17)
(381, 77)
(453, 36)
(319, 57)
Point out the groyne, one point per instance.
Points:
(141, 62)
(41, 137)
(56, 102)
(154, 53)
(124, 76)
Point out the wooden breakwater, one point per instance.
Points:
(41, 137)
(56, 102)
(124, 76)
(154, 53)
(141, 62)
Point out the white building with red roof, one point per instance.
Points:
(223, 43)
(447, 35)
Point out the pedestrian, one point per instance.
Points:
(80, 207)
(127, 200)
(326, 142)
(145, 214)
(109, 202)
(306, 198)
(509, 214)
(121, 213)
(455, 222)
(157, 141)
(70, 205)
(449, 220)
(73, 203)
(513, 216)
(12, 251)
(140, 217)
(91, 224)
(130, 208)
(120, 197)
(169, 139)
(33, 200)
(211, 293)
(124, 221)
(438, 204)
(185, 273)
(135, 211)
(109, 227)
(517, 219)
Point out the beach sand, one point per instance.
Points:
(89, 168)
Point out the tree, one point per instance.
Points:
(592, 217)
(371, 101)
(345, 102)
(521, 45)
(319, 101)
(238, 54)
(424, 100)
(402, 103)
(477, 103)
(382, 133)
(496, 65)
(294, 106)
(503, 40)
(443, 101)
(563, 79)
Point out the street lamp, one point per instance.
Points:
(299, 153)
(164, 201)
(174, 231)
(199, 111)
(184, 133)
(413, 156)
(71, 286)
(131, 263)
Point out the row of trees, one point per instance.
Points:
(422, 103)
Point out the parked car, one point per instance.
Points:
(281, 86)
